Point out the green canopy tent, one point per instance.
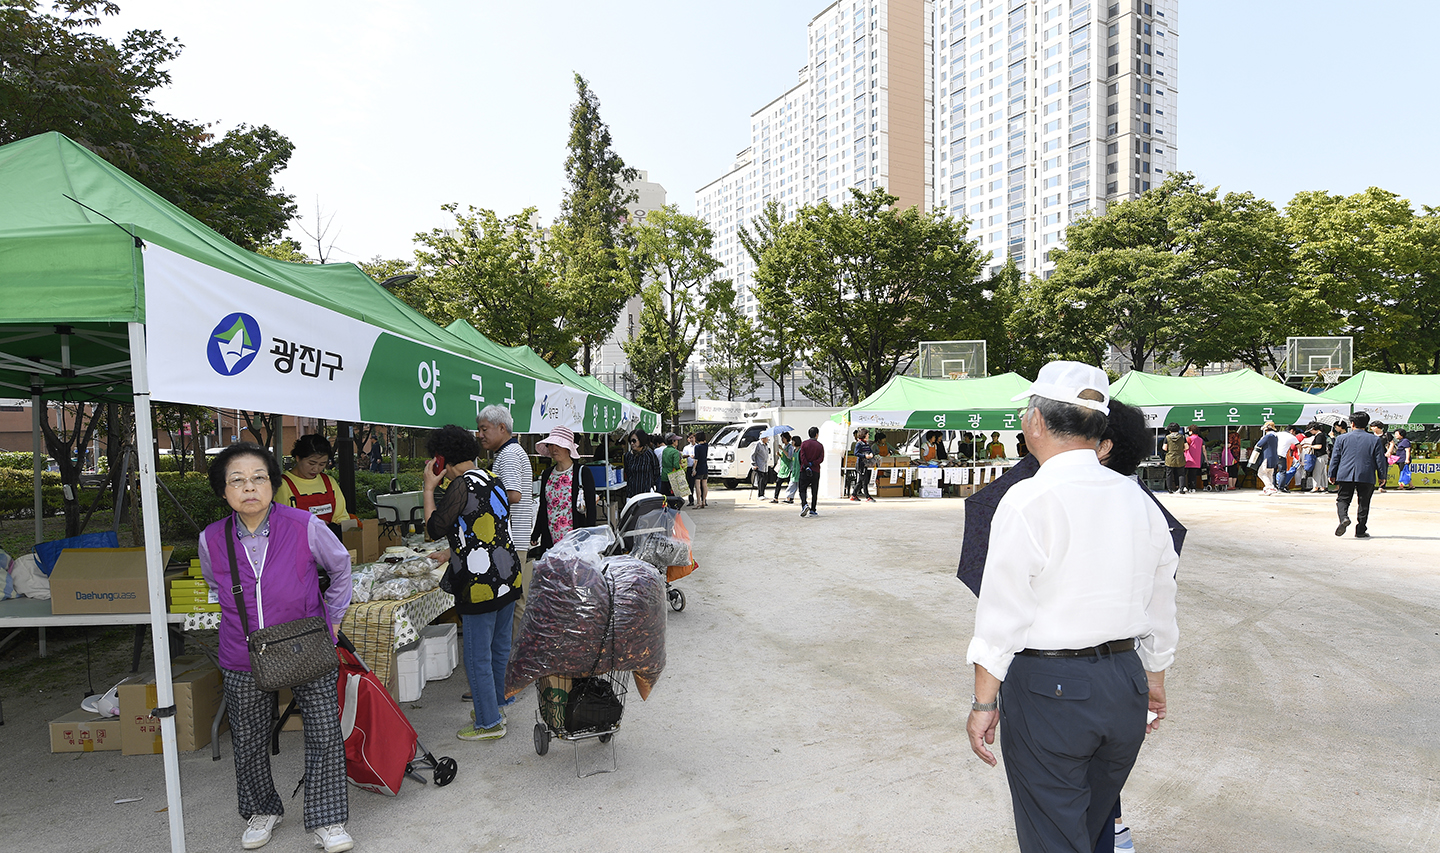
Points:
(648, 420)
(113, 294)
(908, 402)
(1391, 398)
(1238, 398)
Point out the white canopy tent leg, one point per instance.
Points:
(164, 686)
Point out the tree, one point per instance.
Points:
(867, 283)
(496, 273)
(1013, 338)
(679, 301)
(647, 375)
(55, 75)
(777, 323)
(184, 425)
(1374, 263)
(733, 353)
(596, 276)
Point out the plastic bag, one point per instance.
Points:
(563, 630)
(396, 589)
(669, 546)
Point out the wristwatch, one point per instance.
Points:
(977, 705)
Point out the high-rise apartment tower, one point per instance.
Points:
(1018, 114)
(1048, 108)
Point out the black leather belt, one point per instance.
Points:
(1110, 648)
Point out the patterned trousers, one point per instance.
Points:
(326, 800)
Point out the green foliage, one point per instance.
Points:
(17, 491)
(866, 283)
(590, 241)
(1376, 264)
(20, 461)
(777, 333)
(56, 75)
(681, 297)
(192, 491)
(648, 375)
(1180, 272)
(497, 274)
(734, 354)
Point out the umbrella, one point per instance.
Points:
(778, 430)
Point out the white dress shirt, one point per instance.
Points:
(1078, 556)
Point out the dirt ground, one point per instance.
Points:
(815, 698)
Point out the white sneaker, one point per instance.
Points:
(1123, 843)
(333, 838)
(257, 831)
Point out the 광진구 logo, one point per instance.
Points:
(233, 344)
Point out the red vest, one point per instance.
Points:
(320, 503)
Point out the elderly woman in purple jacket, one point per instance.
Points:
(278, 552)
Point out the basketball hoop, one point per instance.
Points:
(959, 374)
(1329, 375)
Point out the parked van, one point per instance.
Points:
(730, 451)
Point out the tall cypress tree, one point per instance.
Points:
(597, 274)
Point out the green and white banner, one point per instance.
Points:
(216, 339)
(1214, 415)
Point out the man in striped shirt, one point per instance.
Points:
(512, 468)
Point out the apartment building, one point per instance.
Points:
(860, 114)
(1016, 114)
(1047, 109)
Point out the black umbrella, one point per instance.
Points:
(980, 510)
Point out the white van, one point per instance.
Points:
(730, 450)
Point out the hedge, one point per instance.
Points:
(17, 491)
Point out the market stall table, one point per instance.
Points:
(21, 613)
(377, 628)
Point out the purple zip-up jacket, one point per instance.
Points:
(289, 580)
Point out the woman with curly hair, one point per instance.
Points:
(484, 572)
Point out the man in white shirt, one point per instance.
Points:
(1076, 621)
(512, 468)
(1284, 440)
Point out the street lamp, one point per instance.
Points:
(397, 280)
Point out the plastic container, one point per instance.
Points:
(440, 647)
(409, 672)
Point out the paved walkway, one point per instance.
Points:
(815, 699)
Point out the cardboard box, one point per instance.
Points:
(85, 733)
(196, 607)
(197, 696)
(389, 538)
(101, 580)
(364, 540)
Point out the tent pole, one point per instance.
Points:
(38, 445)
(159, 627)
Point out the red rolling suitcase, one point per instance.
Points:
(381, 747)
(1219, 478)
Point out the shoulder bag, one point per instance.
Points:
(287, 654)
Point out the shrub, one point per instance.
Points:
(17, 491)
(193, 492)
(19, 461)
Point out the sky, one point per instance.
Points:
(396, 107)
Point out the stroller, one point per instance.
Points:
(663, 541)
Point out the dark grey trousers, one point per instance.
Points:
(1343, 495)
(326, 799)
(1070, 729)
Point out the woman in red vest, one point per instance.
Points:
(308, 487)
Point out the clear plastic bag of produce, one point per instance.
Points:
(568, 627)
(670, 545)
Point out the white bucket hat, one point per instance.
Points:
(560, 437)
(1065, 381)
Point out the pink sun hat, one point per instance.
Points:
(560, 437)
